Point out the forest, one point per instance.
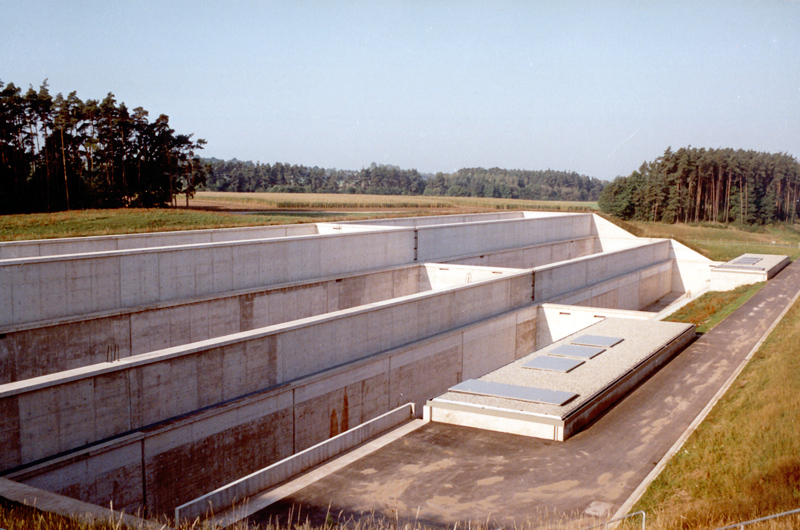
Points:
(378, 179)
(717, 185)
(62, 153)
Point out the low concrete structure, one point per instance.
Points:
(129, 364)
(589, 388)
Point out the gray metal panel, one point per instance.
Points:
(596, 340)
(519, 393)
(574, 350)
(553, 364)
(746, 261)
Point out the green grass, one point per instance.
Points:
(743, 461)
(711, 308)
(722, 243)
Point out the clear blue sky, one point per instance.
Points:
(593, 87)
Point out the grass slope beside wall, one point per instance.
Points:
(743, 461)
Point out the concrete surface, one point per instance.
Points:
(442, 473)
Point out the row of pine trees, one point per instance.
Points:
(379, 179)
(716, 185)
(61, 153)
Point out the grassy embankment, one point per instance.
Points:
(743, 461)
(722, 243)
(223, 210)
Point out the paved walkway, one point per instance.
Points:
(440, 474)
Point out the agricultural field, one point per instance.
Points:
(328, 201)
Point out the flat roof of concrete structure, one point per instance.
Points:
(641, 339)
(756, 262)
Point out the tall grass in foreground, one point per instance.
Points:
(743, 461)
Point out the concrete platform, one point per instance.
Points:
(746, 269)
(596, 383)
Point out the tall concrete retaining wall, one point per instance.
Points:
(533, 256)
(35, 289)
(50, 414)
(168, 464)
(42, 348)
(440, 242)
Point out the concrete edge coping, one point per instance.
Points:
(190, 246)
(146, 235)
(512, 214)
(228, 495)
(84, 372)
(74, 509)
(547, 419)
(596, 255)
(257, 503)
(166, 304)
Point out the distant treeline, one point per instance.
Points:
(235, 175)
(61, 153)
(719, 185)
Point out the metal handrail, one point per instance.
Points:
(760, 520)
(605, 525)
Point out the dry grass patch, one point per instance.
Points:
(326, 201)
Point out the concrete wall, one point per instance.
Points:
(692, 271)
(77, 245)
(436, 243)
(632, 291)
(61, 412)
(556, 321)
(534, 256)
(264, 479)
(165, 465)
(430, 220)
(46, 288)
(565, 277)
